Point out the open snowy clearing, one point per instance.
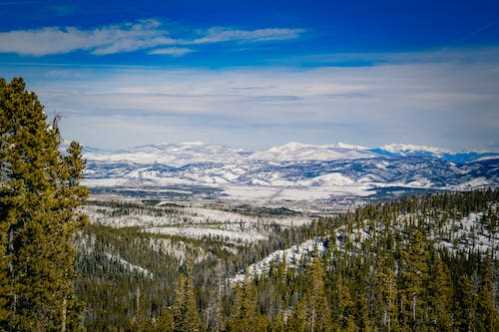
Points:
(235, 237)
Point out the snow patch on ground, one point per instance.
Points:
(472, 184)
(292, 256)
(227, 236)
(465, 234)
(469, 234)
(177, 249)
(129, 266)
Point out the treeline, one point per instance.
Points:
(110, 289)
(397, 278)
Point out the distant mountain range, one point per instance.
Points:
(293, 171)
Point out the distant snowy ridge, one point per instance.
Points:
(301, 152)
(179, 154)
(293, 171)
(171, 154)
(411, 148)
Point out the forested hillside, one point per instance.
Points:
(416, 264)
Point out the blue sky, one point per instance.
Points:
(261, 73)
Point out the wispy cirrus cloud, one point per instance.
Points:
(221, 34)
(99, 41)
(172, 51)
(128, 37)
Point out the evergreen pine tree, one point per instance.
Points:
(487, 313)
(297, 320)
(350, 326)
(165, 321)
(414, 278)
(39, 200)
(185, 312)
(278, 323)
(467, 304)
(386, 294)
(234, 323)
(344, 302)
(244, 313)
(318, 312)
(441, 295)
(249, 307)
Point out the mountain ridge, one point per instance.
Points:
(285, 152)
(294, 171)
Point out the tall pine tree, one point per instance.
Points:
(185, 313)
(318, 312)
(441, 296)
(414, 278)
(487, 313)
(39, 199)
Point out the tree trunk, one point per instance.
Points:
(414, 307)
(64, 313)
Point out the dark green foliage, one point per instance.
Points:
(398, 279)
(317, 312)
(185, 311)
(413, 284)
(39, 200)
(440, 297)
(487, 312)
(108, 287)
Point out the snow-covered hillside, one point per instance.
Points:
(466, 234)
(292, 256)
(302, 152)
(171, 154)
(195, 222)
(407, 149)
(294, 172)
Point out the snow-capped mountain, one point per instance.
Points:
(408, 149)
(172, 154)
(293, 171)
(304, 152)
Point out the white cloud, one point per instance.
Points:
(221, 34)
(172, 51)
(126, 37)
(434, 103)
(133, 44)
(104, 40)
